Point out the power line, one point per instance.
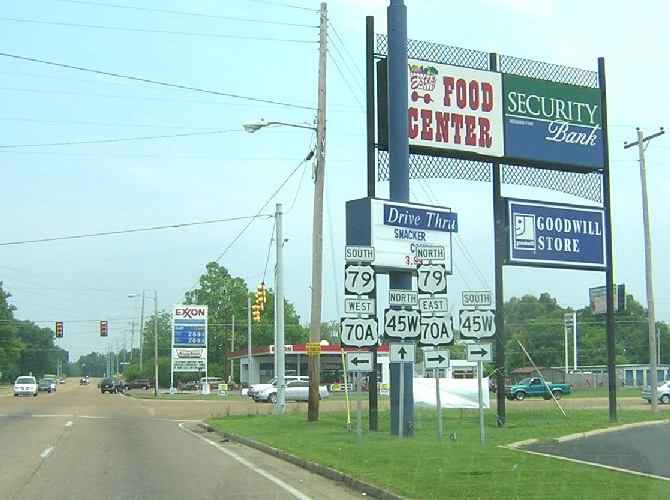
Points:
(100, 141)
(155, 82)
(346, 81)
(353, 61)
(159, 32)
(184, 13)
(288, 6)
(102, 124)
(136, 230)
(346, 65)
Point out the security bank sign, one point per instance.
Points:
(398, 229)
(552, 235)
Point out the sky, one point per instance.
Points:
(186, 158)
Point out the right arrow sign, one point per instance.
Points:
(436, 359)
(479, 352)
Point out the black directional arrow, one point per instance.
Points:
(357, 361)
(402, 352)
(482, 352)
(439, 359)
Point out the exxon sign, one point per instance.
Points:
(190, 312)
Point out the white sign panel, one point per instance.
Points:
(365, 307)
(430, 253)
(436, 359)
(400, 298)
(434, 304)
(359, 332)
(476, 298)
(402, 324)
(359, 253)
(436, 330)
(479, 352)
(432, 278)
(477, 323)
(398, 229)
(189, 359)
(402, 352)
(359, 279)
(359, 361)
(456, 108)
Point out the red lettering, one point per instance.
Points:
(426, 124)
(487, 97)
(485, 140)
(441, 126)
(470, 137)
(448, 82)
(473, 95)
(461, 93)
(457, 125)
(412, 126)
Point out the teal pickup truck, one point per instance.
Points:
(536, 386)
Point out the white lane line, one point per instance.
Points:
(51, 416)
(46, 452)
(69, 423)
(290, 489)
(91, 416)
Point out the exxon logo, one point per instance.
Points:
(191, 312)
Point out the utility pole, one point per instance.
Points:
(313, 367)
(141, 331)
(651, 320)
(280, 354)
(232, 348)
(132, 338)
(249, 371)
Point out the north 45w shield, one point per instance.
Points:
(402, 324)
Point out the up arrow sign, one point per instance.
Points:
(359, 361)
(399, 353)
(436, 359)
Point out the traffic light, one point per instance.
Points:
(103, 328)
(256, 313)
(261, 299)
(59, 329)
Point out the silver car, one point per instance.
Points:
(296, 390)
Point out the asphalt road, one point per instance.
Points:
(79, 444)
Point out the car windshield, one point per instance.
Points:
(25, 380)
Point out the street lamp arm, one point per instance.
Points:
(252, 126)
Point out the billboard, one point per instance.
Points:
(552, 235)
(189, 338)
(552, 122)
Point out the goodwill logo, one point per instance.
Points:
(559, 235)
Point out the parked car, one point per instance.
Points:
(191, 385)
(140, 383)
(273, 383)
(212, 381)
(536, 386)
(662, 392)
(25, 386)
(43, 385)
(62, 380)
(295, 390)
(112, 385)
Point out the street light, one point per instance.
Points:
(130, 296)
(155, 299)
(317, 247)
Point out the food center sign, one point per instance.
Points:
(189, 338)
(468, 112)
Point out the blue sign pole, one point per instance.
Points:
(399, 191)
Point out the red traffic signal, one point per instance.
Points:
(59, 329)
(103, 328)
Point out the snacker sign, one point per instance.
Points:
(456, 108)
(399, 229)
(552, 122)
(547, 234)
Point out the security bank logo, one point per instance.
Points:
(524, 232)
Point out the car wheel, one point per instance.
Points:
(16, 395)
(520, 396)
(102, 392)
(665, 399)
(34, 394)
(272, 398)
(557, 394)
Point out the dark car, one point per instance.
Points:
(140, 383)
(112, 385)
(44, 385)
(191, 385)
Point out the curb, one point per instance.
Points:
(327, 472)
(572, 437)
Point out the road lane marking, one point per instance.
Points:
(46, 452)
(51, 416)
(290, 489)
(69, 423)
(92, 416)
